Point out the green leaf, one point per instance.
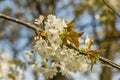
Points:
(71, 25)
(92, 62)
(92, 59)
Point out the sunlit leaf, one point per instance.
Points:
(71, 25)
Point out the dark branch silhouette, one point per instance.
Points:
(112, 8)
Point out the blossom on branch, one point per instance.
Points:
(53, 48)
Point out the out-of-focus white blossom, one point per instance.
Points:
(20, 73)
(4, 64)
(8, 68)
(97, 16)
(87, 41)
(29, 53)
(67, 60)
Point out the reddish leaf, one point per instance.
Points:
(80, 34)
(97, 51)
(73, 36)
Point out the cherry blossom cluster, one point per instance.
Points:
(56, 56)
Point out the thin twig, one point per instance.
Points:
(34, 27)
(112, 8)
(105, 60)
(109, 62)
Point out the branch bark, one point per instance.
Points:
(29, 25)
(110, 6)
(105, 60)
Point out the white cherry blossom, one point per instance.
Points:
(67, 60)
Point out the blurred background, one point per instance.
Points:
(92, 17)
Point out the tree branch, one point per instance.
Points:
(34, 27)
(112, 8)
(109, 62)
(105, 60)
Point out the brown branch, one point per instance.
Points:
(105, 60)
(109, 62)
(34, 27)
(112, 8)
